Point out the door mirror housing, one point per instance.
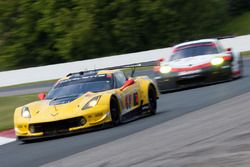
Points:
(127, 84)
(41, 96)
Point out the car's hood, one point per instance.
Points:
(192, 61)
(43, 111)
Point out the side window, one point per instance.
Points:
(220, 47)
(120, 79)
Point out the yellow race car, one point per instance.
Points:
(86, 100)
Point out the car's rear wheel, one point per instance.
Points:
(239, 73)
(152, 99)
(115, 112)
(241, 67)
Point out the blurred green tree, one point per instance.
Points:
(237, 7)
(40, 32)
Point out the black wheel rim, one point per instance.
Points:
(152, 99)
(114, 112)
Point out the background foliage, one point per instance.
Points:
(40, 32)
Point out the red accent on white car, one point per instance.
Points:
(191, 68)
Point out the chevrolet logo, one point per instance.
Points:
(53, 115)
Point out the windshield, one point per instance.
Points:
(194, 50)
(78, 86)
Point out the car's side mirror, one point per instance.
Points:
(158, 62)
(41, 96)
(161, 60)
(127, 84)
(229, 49)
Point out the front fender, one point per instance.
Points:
(144, 83)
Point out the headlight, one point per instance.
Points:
(26, 112)
(93, 102)
(165, 69)
(217, 61)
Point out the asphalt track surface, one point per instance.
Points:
(36, 88)
(221, 140)
(170, 106)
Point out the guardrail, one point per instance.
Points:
(49, 72)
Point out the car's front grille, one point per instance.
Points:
(190, 81)
(61, 126)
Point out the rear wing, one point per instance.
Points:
(225, 37)
(133, 68)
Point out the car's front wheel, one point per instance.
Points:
(115, 112)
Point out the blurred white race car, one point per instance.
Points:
(197, 63)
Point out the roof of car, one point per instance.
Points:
(77, 74)
(195, 42)
(107, 71)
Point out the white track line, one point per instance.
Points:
(5, 140)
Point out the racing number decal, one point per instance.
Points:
(136, 99)
(128, 100)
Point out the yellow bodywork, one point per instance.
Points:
(42, 112)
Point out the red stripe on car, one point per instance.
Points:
(227, 57)
(238, 72)
(156, 68)
(191, 68)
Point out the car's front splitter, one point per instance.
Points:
(176, 81)
(63, 134)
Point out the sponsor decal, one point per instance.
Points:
(131, 100)
(128, 101)
(146, 107)
(136, 99)
(189, 72)
(189, 76)
(223, 67)
(85, 77)
(158, 77)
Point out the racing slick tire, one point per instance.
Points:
(115, 112)
(152, 99)
(238, 74)
(22, 139)
(241, 68)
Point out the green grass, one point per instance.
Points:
(239, 25)
(8, 105)
(28, 84)
(246, 53)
